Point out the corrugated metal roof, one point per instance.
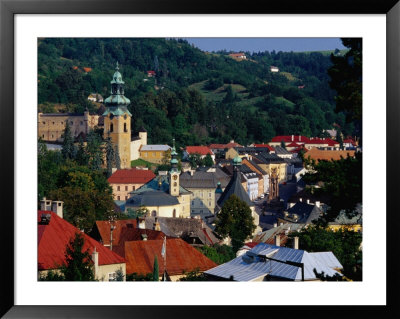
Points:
(327, 258)
(243, 270)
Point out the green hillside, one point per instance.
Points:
(195, 97)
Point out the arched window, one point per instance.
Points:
(125, 130)
(153, 213)
(111, 127)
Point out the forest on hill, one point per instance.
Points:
(195, 97)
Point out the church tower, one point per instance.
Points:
(117, 119)
(174, 173)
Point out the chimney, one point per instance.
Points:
(57, 207)
(299, 138)
(141, 223)
(113, 170)
(45, 204)
(296, 242)
(156, 225)
(44, 219)
(277, 240)
(292, 138)
(318, 204)
(95, 259)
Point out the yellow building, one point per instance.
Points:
(268, 162)
(117, 119)
(163, 196)
(155, 153)
(51, 126)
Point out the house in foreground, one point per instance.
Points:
(267, 262)
(55, 233)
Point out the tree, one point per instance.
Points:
(208, 161)
(119, 275)
(110, 155)
(156, 275)
(346, 79)
(219, 254)
(140, 212)
(94, 150)
(342, 181)
(81, 156)
(78, 265)
(345, 245)
(117, 158)
(235, 220)
(68, 148)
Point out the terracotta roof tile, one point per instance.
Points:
(131, 176)
(103, 226)
(202, 150)
(180, 257)
(328, 155)
(54, 237)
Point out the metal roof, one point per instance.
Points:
(151, 198)
(155, 148)
(250, 266)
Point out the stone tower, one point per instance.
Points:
(174, 173)
(117, 119)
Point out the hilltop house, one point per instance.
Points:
(203, 151)
(154, 153)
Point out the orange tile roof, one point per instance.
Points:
(202, 150)
(328, 155)
(86, 69)
(131, 176)
(54, 237)
(103, 227)
(180, 257)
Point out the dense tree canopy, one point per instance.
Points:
(196, 97)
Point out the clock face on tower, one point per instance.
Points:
(175, 177)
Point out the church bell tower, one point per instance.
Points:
(117, 119)
(174, 173)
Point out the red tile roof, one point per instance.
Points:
(54, 237)
(202, 150)
(180, 257)
(217, 146)
(151, 72)
(86, 69)
(317, 140)
(103, 227)
(265, 146)
(293, 144)
(232, 144)
(131, 176)
(290, 138)
(223, 146)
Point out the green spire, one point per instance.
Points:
(117, 102)
(237, 161)
(174, 160)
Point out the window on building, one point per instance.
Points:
(119, 197)
(201, 203)
(154, 154)
(118, 188)
(62, 123)
(112, 276)
(145, 154)
(126, 188)
(209, 203)
(126, 197)
(133, 188)
(153, 213)
(125, 129)
(43, 135)
(72, 123)
(81, 122)
(201, 211)
(192, 202)
(174, 213)
(209, 195)
(44, 122)
(53, 123)
(52, 135)
(111, 127)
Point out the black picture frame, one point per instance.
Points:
(8, 9)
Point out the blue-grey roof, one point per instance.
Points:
(160, 183)
(116, 110)
(155, 148)
(306, 213)
(235, 187)
(151, 198)
(250, 266)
